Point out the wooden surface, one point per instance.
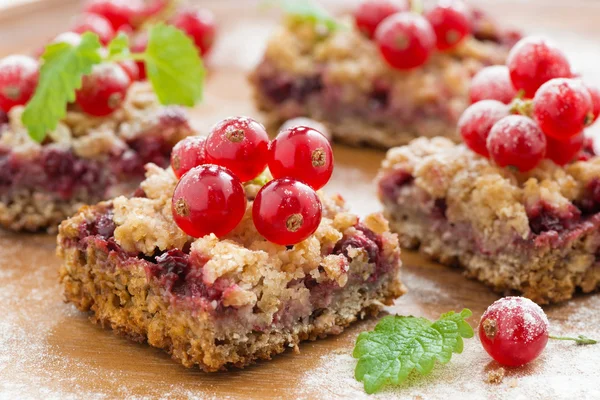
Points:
(49, 350)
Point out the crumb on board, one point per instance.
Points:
(496, 376)
(513, 383)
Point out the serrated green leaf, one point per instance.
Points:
(174, 66)
(119, 46)
(307, 10)
(399, 345)
(60, 76)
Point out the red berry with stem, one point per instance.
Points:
(239, 144)
(94, 23)
(118, 12)
(516, 141)
(514, 331)
(369, 14)
(595, 95)
(208, 199)
(131, 69)
(18, 79)
(563, 107)
(492, 83)
(405, 40)
(286, 211)
(139, 46)
(199, 25)
(476, 122)
(533, 61)
(451, 22)
(104, 90)
(304, 154)
(187, 154)
(564, 151)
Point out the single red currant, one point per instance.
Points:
(564, 151)
(304, 154)
(563, 107)
(70, 38)
(199, 25)
(514, 331)
(239, 144)
(476, 122)
(104, 90)
(369, 14)
(451, 22)
(492, 83)
(533, 61)
(595, 93)
(94, 23)
(208, 199)
(187, 154)
(18, 79)
(131, 69)
(405, 40)
(139, 46)
(286, 211)
(516, 141)
(117, 12)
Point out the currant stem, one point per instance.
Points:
(416, 6)
(580, 340)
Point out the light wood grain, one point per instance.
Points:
(49, 350)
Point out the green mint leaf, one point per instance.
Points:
(173, 66)
(307, 10)
(60, 76)
(398, 345)
(119, 46)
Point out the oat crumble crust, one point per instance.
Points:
(460, 209)
(250, 322)
(352, 69)
(96, 139)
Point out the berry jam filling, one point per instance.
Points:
(544, 218)
(390, 184)
(285, 88)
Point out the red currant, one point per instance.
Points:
(492, 83)
(131, 69)
(18, 79)
(139, 46)
(187, 154)
(534, 61)
(451, 23)
(208, 199)
(564, 151)
(514, 331)
(199, 25)
(369, 14)
(155, 7)
(239, 144)
(516, 141)
(3, 118)
(94, 23)
(562, 107)
(117, 12)
(476, 122)
(304, 154)
(70, 38)
(104, 90)
(286, 211)
(405, 40)
(595, 95)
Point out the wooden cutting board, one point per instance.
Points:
(50, 350)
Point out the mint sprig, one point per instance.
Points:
(173, 66)
(63, 67)
(399, 345)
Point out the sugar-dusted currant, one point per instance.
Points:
(302, 153)
(492, 83)
(451, 22)
(476, 123)
(104, 90)
(95, 23)
(118, 12)
(18, 80)
(139, 45)
(239, 144)
(369, 14)
(187, 154)
(286, 211)
(131, 69)
(208, 199)
(564, 151)
(595, 95)
(516, 141)
(199, 25)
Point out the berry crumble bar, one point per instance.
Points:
(535, 232)
(85, 160)
(223, 302)
(340, 79)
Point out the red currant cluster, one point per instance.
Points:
(210, 198)
(406, 39)
(103, 91)
(532, 108)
